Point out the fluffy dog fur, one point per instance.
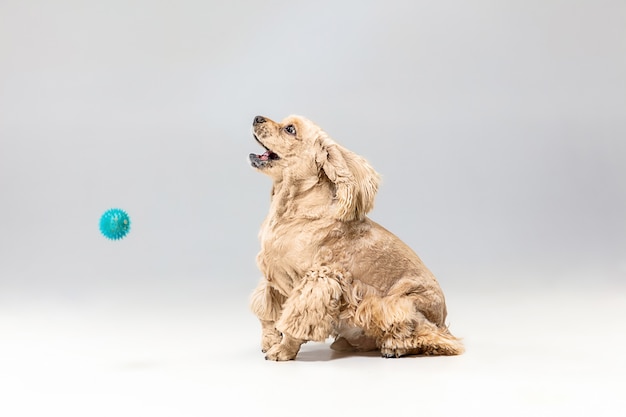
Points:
(328, 270)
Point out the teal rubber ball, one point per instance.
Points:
(114, 224)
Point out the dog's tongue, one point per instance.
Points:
(265, 156)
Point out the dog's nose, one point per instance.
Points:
(258, 120)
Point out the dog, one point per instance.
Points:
(328, 270)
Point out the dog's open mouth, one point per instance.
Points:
(259, 161)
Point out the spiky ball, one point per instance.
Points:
(114, 224)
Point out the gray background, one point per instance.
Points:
(499, 128)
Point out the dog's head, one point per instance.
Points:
(296, 149)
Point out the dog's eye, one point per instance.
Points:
(290, 130)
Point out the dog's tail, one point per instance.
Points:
(438, 341)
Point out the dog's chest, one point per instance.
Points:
(286, 254)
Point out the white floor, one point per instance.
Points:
(550, 352)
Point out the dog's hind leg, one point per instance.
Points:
(310, 313)
(401, 329)
(423, 338)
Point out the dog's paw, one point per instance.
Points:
(393, 353)
(281, 352)
(270, 339)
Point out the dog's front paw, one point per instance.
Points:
(280, 353)
(270, 339)
(286, 350)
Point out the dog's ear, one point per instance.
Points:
(356, 182)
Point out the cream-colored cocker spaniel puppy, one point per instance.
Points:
(328, 270)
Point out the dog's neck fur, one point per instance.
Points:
(297, 199)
